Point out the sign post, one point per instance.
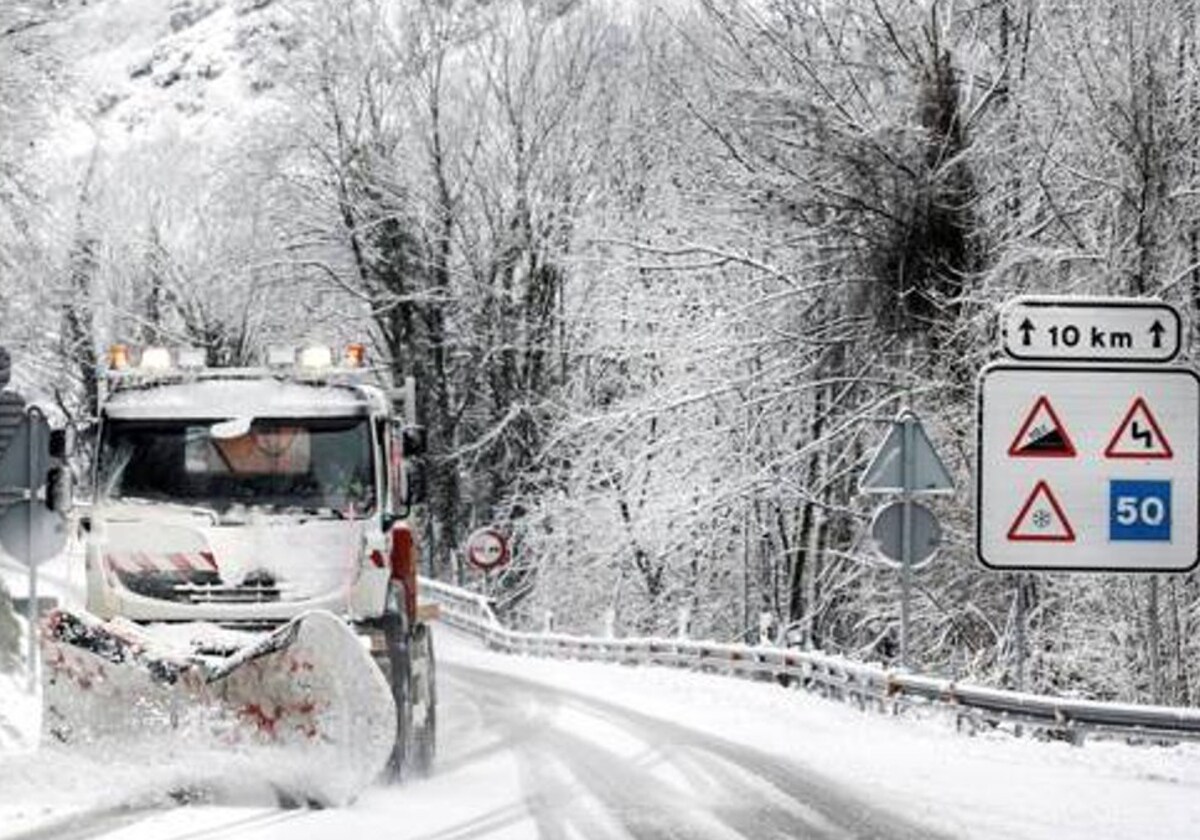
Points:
(909, 471)
(1087, 444)
(488, 550)
(32, 612)
(906, 463)
(28, 529)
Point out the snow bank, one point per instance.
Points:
(52, 786)
(20, 715)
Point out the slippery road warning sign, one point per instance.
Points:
(1139, 435)
(1091, 469)
(1041, 519)
(1042, 435)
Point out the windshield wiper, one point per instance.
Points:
(146, 501)
(305, 511)
(325, 512)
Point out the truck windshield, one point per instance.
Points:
(302, 464)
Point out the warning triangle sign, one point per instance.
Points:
(1041, 519)
(1139, 435)
(927, 473)
(1042, 434)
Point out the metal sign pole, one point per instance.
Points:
(32, 614)
(1020, 631)
(906, 549)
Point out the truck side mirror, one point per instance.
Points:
(413, 440)
(412, 488)
(62, 443)
(60, 490)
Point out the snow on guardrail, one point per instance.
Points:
(829, 675)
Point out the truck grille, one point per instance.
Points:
(219, 593)
(200, 588)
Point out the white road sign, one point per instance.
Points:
(1064, 329)
(1091, 469)
(487, 549)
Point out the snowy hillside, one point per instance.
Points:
(137, 71)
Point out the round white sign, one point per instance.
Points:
(487, 549)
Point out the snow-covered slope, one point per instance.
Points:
(136, 71)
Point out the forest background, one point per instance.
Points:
(663, 272)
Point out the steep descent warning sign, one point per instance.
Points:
(1042, 435)
(1139, 435)
(1041, 519)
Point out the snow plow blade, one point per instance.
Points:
(308, 686)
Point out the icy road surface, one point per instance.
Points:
(545, 749)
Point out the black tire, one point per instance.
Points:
(423, 748)
(396, 663)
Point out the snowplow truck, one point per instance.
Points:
(251, 563)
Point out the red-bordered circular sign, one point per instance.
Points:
(487, 549)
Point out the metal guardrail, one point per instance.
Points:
(865, 684)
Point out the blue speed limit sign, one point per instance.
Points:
(1139, 511)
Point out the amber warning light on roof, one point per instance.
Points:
(157, 359)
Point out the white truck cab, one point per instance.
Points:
(245, 497)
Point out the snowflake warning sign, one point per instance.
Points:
(1139, 435)
(1041, 519)
(1042, 435)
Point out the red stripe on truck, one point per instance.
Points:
(404, 567)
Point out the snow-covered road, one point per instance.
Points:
(589, 768)
(544, 749)
(525, 758)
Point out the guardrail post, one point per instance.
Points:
(766, 628)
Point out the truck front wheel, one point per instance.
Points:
(423, 686)
(395, 660)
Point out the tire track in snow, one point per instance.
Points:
(10, 736)
(87, 824)
(730, 791)
(156, 819)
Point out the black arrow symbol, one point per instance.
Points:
(1146, 436)
(1157, 330)
(1026, 329)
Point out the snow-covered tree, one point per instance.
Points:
(443, 162)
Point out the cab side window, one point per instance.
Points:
(383, 449)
